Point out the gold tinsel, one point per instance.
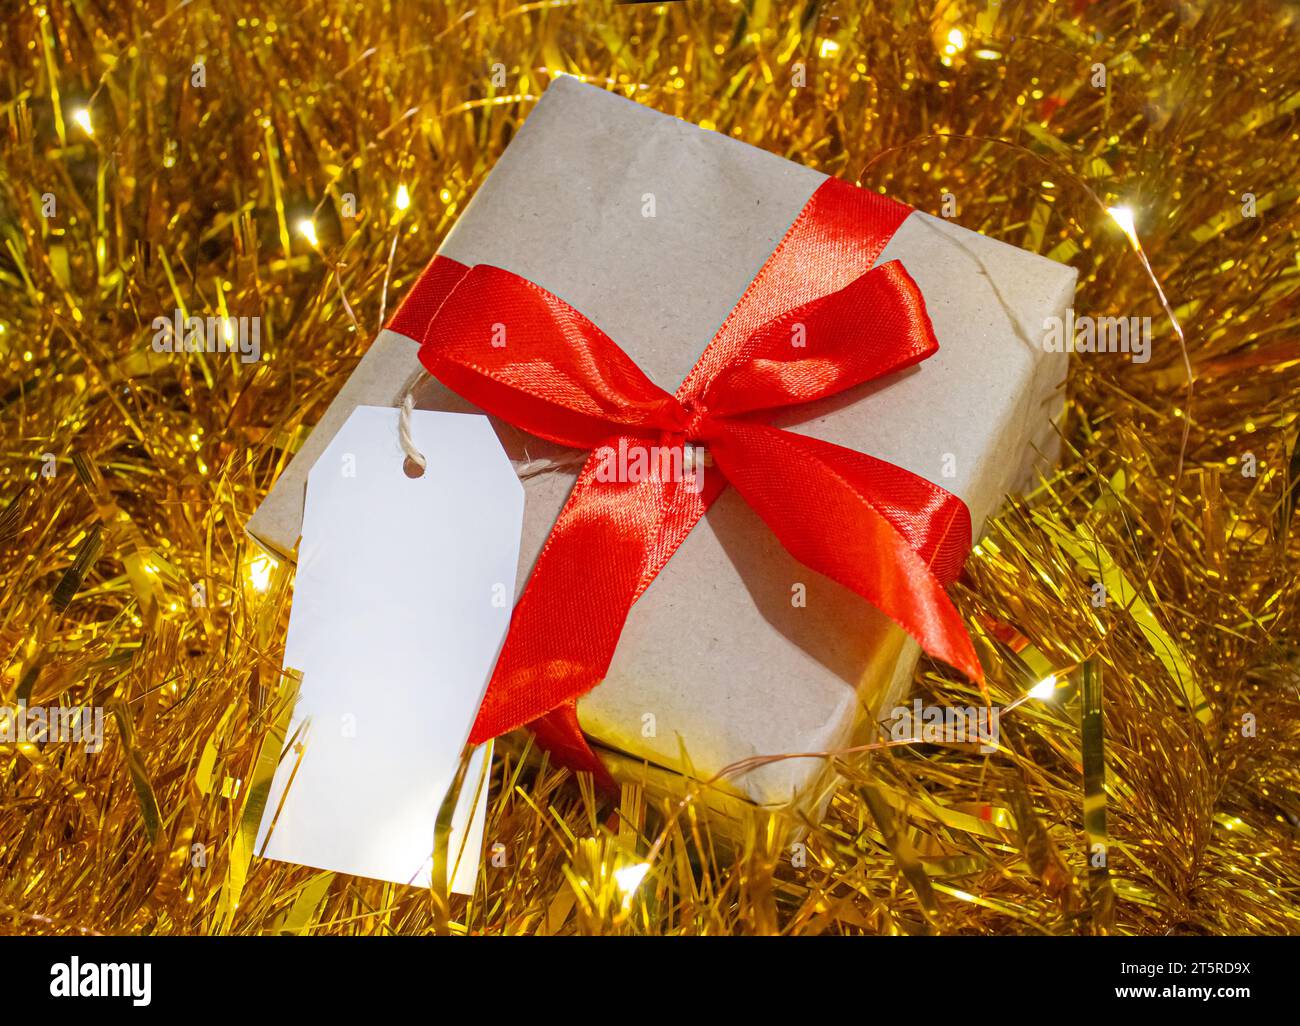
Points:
(241, 159)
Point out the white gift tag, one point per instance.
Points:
(401, 601)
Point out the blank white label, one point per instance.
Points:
(401, 602)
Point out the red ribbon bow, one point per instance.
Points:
(816, 320)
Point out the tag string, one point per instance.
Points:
(524, 468)
(404, 432)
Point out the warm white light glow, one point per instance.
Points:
(307, 230)
(1045, 688)
(82, 117)
(402, 200)
(259, 570)
(629, 877)
(957, 39)
(1123, 216)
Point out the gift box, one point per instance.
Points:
(654, 229)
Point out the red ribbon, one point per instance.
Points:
(893, 537)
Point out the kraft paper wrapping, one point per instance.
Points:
(717, 663)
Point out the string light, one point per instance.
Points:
(1123, 216)
(259, 570)
(628, 879)
(1045, 688)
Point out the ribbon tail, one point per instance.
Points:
(935, 523)
(816, 501)
(569, 618)
(560, 734)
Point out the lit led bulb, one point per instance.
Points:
(1045, 688)
(1123, 216)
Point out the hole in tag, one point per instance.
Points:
(412, 469)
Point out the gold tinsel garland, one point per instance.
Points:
(300, 161)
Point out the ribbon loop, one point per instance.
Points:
(875, 325)
(525, 355)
